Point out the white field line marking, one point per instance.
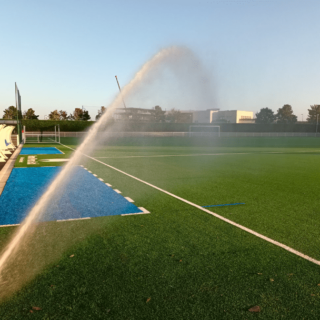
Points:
(108, 184)
(90, 171)
(259, 235)
(143, 210)
(60, 151)
(95, 175)
(21, 159)
(117, 191)
(73, 219)
(129, 199)
(171, 155)
(100, 179)
(133, 214)
(12, 225)
(296, 152)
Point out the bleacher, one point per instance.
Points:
(6, 145)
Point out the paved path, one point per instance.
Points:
(6, 170)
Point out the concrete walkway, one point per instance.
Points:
(6, 170)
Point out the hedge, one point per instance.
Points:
(47, 125)
(224, 127)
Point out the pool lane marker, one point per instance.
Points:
(259, 235)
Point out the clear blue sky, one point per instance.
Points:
(65, 54)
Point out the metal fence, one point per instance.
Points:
(187, 134)
(269, 134)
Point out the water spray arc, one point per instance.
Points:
(26, 229)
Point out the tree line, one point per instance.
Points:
(78, 114)
(265, 115)
(159, 115)
(172, 116)
(285, 115)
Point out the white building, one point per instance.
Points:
(234, 116)
(204, 116)
(229, 116)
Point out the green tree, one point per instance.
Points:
(30, 115)
(159, 114)
(101, 112)
(63, 115)
(54, 115)
(80, 114)
(313, 112)
(85, 115)
(77, 114)
(285, 115)
(265, 115)
(176, 116)
(10, 113)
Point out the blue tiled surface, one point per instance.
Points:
(83, 196)
(49, 150)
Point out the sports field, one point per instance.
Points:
(180, 262)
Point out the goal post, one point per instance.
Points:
(43, 137)
(204, 130)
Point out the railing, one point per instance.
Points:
(186, 134)
(8, 121)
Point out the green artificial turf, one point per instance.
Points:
(182, 263)
(66, 154)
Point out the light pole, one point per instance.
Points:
(120, 92)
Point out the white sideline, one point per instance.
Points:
(204, 154)
(259, 235)
(171, 155)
